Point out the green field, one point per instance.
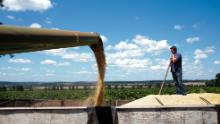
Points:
(110, 94)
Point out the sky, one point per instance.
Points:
(137, 35)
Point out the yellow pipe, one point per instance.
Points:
(15, 39)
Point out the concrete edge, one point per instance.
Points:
(115, 108)
(44, 108)
(168, 107)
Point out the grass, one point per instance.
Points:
(110, 94)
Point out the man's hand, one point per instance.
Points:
(173, 59)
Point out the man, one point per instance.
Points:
(176, 70)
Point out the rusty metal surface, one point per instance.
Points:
(23, 39)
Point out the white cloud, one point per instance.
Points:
(63, 64)
(13, 18)
(16, 71)
(2, 74)
(85, 72)
(49, 74)
(104, 38)
(198, 25)
(48, 20)
(132, 63)
(209, 50)
(217, 62)
(49, 71)
(113, 56)
(56, 52)
(25, 69)
(126, 52)
(52, 62)
(156, 67)
(109, 47)
(19, 60)
(27, 5)
(162, 64)
(35, 25)
(48, 62)
(193, 70)
(151, 46)
(192, 40)
(76, 48)
(178, 27)
(10, 17)
(55, 28)
(125, 46)
(197, 61)
(199, 54)
(131, 53)
(202, 54)
(83, 57)
(70, 55)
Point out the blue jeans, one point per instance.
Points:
(177, 78)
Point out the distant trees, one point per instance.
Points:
(109, 86)
(122, 86)
(57, 87)
(13, 88)
(3, 88)
(214, 82)
(17, 88)
(72, 87)
(85, 87)
(218, 77)
(30, 88)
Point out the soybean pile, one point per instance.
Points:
(98, 50)
(169, 100)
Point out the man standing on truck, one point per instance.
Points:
(176, 70)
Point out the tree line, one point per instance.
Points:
(214, 82)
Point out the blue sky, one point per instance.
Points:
(137, 36)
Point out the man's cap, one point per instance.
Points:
(173, 47)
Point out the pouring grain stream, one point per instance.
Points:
(98, 50)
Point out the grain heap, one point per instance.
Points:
(169, 100)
